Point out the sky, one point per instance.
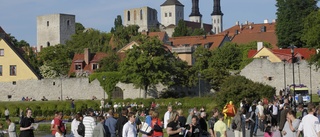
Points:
(19, 17)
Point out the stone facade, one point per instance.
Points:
(217, 24)
(264, 71)
(54, 29)
(145, 17)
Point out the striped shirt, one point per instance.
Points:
(89, 124)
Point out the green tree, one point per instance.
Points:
(228, 56)
(148, 64)
(96, 40)
(198, 31)
(109, 63)
(181, 29)
(117, 24)
(311, 34)
(123, 35)
(235, 88)
(57, 57)
(79, 28)
(290, 17)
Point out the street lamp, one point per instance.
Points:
(284, 73)
(299, 72)
(310, 85)
(294, 92)
(104, 92)
(199, 76)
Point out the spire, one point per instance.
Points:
(195, 8)
(216, 8)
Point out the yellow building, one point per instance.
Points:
(13, 67)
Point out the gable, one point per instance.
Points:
(128, 46)
(266, 53)
(23, 70)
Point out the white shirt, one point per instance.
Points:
(165, 119)
(74, 127)
(260, 108)
(129, 130)
(12, 130)
(274, 110)
(309, 125)
(89, 124)
(6, 112)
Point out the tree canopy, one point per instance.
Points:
(149, 64)
(290, 18)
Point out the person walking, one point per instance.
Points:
(220, 128)
(309, 124)
(291, 126)
(283, 116)
(237, 120)
(110, 123)
(6, 113)
(156, 121)
(26, 129)
(167, 116)
(129, 128)
(89, 123)
(75, 124)
(11, 128)
(59, 127)
(194, 129)
(203, 124)
(121, 121)
(252, 119)
(99, 130)
(212, 121)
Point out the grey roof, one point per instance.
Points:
(172, 2)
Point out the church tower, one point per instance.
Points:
(171, 12)
(216, 17)
(195, 15)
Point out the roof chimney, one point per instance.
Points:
(87, 55)
(237, 23)
(265, 21)
(259, 45)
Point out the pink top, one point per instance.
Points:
(266, 134)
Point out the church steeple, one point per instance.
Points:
(216, 8)
(195, 15)
(195, 8)
(216, 16)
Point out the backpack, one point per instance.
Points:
(81, 129)
(233, 125)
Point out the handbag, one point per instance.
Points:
(156, 127)
(145, 128)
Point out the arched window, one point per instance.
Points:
(48, 43)
(134, 15)
(215, 30)
(165, 15)
(141, 15)
(214, 20)
(170, 14)
(128, 15)
(68, 22)
(47, 23)
(217, 20)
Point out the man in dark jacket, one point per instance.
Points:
(121, 121)
(283, 116)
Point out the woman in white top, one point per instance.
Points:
(11, 128)
(75, 123)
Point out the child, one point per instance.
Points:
(267, 132)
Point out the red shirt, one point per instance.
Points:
(58, 122)
(153, 122)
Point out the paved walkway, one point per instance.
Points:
(230, 133)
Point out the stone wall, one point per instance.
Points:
(278, 75)
(76, 88)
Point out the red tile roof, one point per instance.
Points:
(160, 35)
(216, 40)
(304, 53)
(79, 58)
(243, 34)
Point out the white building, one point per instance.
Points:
(171, 12)
(146, 18)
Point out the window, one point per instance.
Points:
(77, 67)
(68, 22)
(170, 14)
(134, 15)
(128, 15)
(0, 70)
(1, 52)
(217, 20)
(47, 23)
(48, 43)
(165, 14)
(13, 70)
(95, 66)
(214, 21)
(141, 15)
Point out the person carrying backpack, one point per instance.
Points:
(75, 125)
(252, 119)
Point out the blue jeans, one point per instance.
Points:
(256, 125)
